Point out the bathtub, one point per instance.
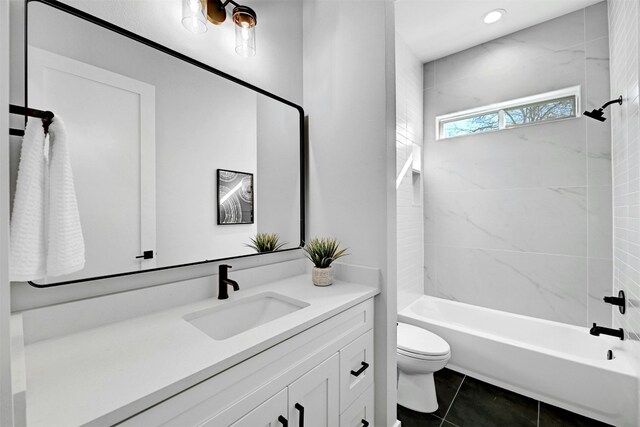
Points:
(552, 362)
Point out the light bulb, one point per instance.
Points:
(245, 40)
(245, 31)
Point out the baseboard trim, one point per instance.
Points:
(396, 424)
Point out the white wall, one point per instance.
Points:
(409, 142)
(624, 19)
(349, 95)
(6, 399)
(520, 220)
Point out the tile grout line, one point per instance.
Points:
(444, 418)
(586, 152)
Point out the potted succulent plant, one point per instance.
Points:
(322, 252)
(266, 242)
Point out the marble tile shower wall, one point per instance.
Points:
(520, 220)
(625, 121)
(409, 116)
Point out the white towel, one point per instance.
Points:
(46, 236)
(65, 243)
(28, 243)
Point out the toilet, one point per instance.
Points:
(420, 354)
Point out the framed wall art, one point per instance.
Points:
(235, 197)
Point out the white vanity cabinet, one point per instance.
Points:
(320, 377)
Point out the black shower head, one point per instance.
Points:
(596, 114)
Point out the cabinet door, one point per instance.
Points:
(313, 398)
(271, 413)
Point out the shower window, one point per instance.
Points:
(541, 108)
(544, 111)
(468, 125)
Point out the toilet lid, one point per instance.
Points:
(420, 341)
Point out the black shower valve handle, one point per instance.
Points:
(620, 301)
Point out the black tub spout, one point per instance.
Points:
(601, 330)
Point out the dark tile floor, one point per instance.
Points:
(467, 402)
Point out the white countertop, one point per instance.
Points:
(117, 370)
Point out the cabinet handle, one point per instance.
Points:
(365, 423)
(357, 373)
(284, 421)
(300, 408)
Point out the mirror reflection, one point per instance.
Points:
(168, 159)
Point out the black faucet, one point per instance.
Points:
(597, 330)
(224, 281)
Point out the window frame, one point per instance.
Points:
(498, 108)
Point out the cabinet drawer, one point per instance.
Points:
(360, 413)
(356, 369)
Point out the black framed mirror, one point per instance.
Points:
(147, 129)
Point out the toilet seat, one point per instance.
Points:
(424, 357)
(419, 343)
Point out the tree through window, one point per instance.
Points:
(556, 105)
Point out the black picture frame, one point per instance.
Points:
(157, 46)
(235, 197)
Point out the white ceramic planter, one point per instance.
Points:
(322, 276)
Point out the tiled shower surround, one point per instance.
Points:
(410, 224)
(520, 220)
(624, 17)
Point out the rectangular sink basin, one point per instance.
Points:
(234, 317)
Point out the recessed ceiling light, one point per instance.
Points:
(494, 16)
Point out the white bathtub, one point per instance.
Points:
(553, 362)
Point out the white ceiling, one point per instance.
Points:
(436, 28)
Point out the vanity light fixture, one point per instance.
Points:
(195, 13)
(494, 16)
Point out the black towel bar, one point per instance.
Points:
(46, 116)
